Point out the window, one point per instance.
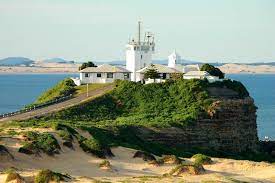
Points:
(86, 75)
(98, 75)
(140, 56)
(164, 76)
(126, 76)
(110, 75)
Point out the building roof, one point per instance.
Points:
(160, 68)
(197, 73)
(105, 68)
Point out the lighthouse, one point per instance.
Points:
(139, 52)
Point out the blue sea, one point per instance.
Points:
(17, 90)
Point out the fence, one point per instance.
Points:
(35, 107)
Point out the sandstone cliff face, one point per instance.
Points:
(230, 127)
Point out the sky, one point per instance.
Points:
(81, 30)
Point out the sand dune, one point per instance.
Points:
(85, 168)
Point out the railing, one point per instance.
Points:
(35, 107)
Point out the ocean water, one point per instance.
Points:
(17, 90)
(262, 88)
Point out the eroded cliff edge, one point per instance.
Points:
(230, 127)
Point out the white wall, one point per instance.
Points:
(137, 59)
(103, 79)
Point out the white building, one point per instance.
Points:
(138, 59)
(188, 68)
(139, 53)
(164, 72)
(201, 75)
(103, 74)
(174, 60)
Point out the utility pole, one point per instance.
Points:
(87, 90)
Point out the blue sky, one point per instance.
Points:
(204, 30)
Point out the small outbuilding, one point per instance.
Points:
(201, 75)
(103, 74)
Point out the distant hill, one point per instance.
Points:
(16, 61)
(57, 60)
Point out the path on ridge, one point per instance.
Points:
(59, 106)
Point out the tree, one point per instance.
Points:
(212, 70)
(151, 72)
(87, 64)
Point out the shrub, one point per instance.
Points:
(15, 177)
(144, 155)
(5, 154)
(46, 176)
(105, 164)
(212, 70)
(171, 159)
(92, 146)
(85, 65)
(202, 159)
(193, 169)
(44, 141)
(61, 89)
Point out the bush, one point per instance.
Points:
(40, 142)
(15, 177)
(201, 159)
(212, 70)
(105, 164)
(171, 159)
(144, 155)
(46, 176)
(61, 89)
(193, 169)
(92, 146)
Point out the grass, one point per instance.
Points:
(13, 176)
(46, 176)
(61, 89)
(91, 87)
(194, 169)
(37, 142)
(202, 159)
(105, 164)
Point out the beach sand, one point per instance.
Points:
(84, 167)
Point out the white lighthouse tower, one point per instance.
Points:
(139, 53)
(174, 59)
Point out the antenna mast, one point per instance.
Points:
(139, 24)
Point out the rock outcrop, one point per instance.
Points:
(230, 127)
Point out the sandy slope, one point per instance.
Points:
(84, 167)
(40, 67)
(242, 68)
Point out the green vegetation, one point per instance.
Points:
(94, 86)
(171, 159)
(37, 142)
(13, 176)
(212, 70)
(46, 176)
(63, 88)
(105, 164)
(202, 159)
(175, 103)
(92, 146)
(233, 85)
(114, 118)
(194, 169)
(151, 73)
(87, 64)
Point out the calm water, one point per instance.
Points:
(17, 90)
(262, 88)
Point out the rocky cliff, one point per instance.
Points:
(230, 127)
